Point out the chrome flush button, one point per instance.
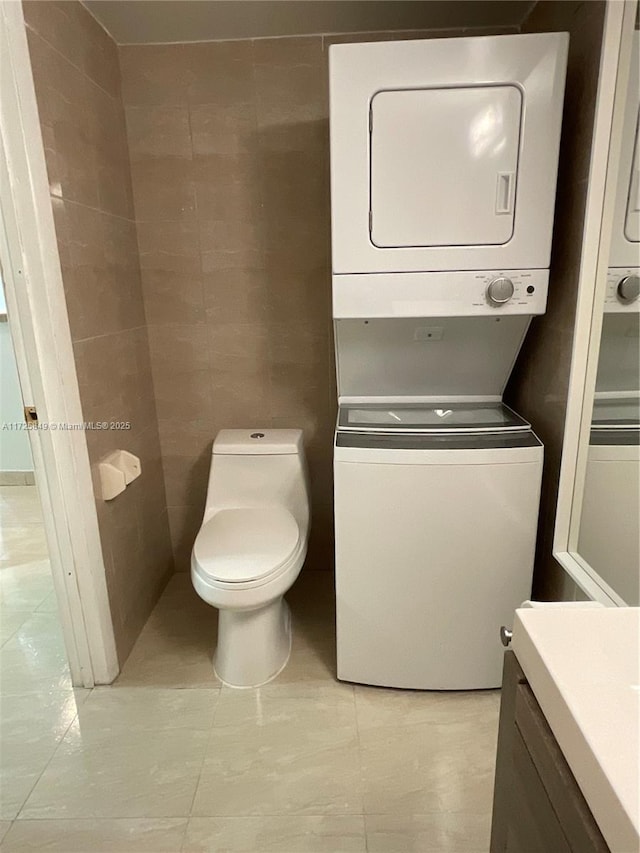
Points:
(500, 290)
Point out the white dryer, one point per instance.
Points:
(444, 152)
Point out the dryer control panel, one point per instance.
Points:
(441, 294)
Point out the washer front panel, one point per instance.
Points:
(505, 74)
(431, 559)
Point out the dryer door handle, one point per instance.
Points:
(504, 192)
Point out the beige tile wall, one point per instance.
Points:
(228, 145)
(77, 79)
(539, 384)
(230, 162)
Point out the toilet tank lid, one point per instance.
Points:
(254, 442)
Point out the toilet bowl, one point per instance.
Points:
(251, 547)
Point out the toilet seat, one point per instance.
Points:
(245, 545)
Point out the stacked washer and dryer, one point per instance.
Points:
(443, 175)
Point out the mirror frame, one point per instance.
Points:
(615, 68)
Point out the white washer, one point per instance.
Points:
(436, 509)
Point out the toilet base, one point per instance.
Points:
(253, 645)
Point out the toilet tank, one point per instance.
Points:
(259, 468)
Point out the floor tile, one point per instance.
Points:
(444, 832)
(10, 621)
(24, 585)
(20, 505)
(44, 627)
(273, 756)
(31, 727)
(97, 836)
(49, 605)
(135, 708)
(34, 659)
(289, 767)
(310, 834)
(424, 752)
(175, 648)
(35, 567)
(4, 828)
(22, 766)
(37, 703)
(21, 541)
(114, 773)
(379, 707)
(33, 716)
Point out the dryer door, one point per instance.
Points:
(444, 166)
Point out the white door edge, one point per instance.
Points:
(46, 366)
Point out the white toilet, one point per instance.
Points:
(251, 547)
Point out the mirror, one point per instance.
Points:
(609, 534)
(597, 529)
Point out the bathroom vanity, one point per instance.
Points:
(567, 772)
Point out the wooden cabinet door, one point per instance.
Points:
(538, 806)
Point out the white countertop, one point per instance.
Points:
(583, 665)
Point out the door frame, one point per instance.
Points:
(46, 366)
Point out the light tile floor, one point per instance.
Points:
(168, 760)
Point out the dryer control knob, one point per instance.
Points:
(628, 288)
(500, 290)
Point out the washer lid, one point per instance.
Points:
(429, 417)
(240, 545)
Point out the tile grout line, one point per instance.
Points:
(66, 200)
(109, 334)
(69, 62)
(52, 756)
(364, 817)
(202, 764)
(261, 195)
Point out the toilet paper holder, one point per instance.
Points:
(117, 470)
